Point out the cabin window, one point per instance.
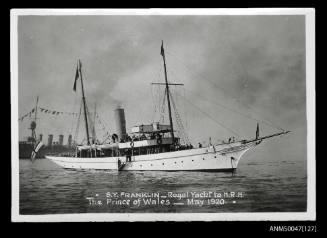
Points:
(108, 153)
(143, 151)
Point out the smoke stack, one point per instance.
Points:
(70, 138)
(61, 139)
(120, 123)
(40, 137)
(50, 139)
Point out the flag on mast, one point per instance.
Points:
(36, 149)
(162, 50)
(257, 132)
(76, 77)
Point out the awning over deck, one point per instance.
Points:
(143, 143)
(98, 147)
(155, 127)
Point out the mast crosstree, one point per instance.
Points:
(162, 52)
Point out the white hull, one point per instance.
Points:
(218, 158)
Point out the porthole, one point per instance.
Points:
(203, 158)
(192, 160)
(182, 161)
(163, 163)
(215, 156)
(175, 162)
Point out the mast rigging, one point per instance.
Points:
(84, 102)
(167, 93)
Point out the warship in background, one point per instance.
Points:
(52, 147)
(27, 146)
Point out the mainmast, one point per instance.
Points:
(167, 91)
(84, 104)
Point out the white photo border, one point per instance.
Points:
(310, 214)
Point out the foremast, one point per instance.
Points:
(79, 75)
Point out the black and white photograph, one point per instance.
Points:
(163, 114)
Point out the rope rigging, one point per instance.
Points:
(90, 122)
(163, 106)
(182, 131)
(72, 125)
(232, 110)
(78, 121)
(213, 119)
(107, 135)
(157, 100)
(264, 121)
(154, 104)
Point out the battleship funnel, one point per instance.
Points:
(50, 139)
(61, 139)
(69, 141)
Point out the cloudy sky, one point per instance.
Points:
(234, 69)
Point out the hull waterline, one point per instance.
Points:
(201, 159)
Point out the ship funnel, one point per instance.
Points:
(40, 137)
(50, 139)
(120, 123)
(70, 141)
(61, 139)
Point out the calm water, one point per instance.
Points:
(46, 188)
